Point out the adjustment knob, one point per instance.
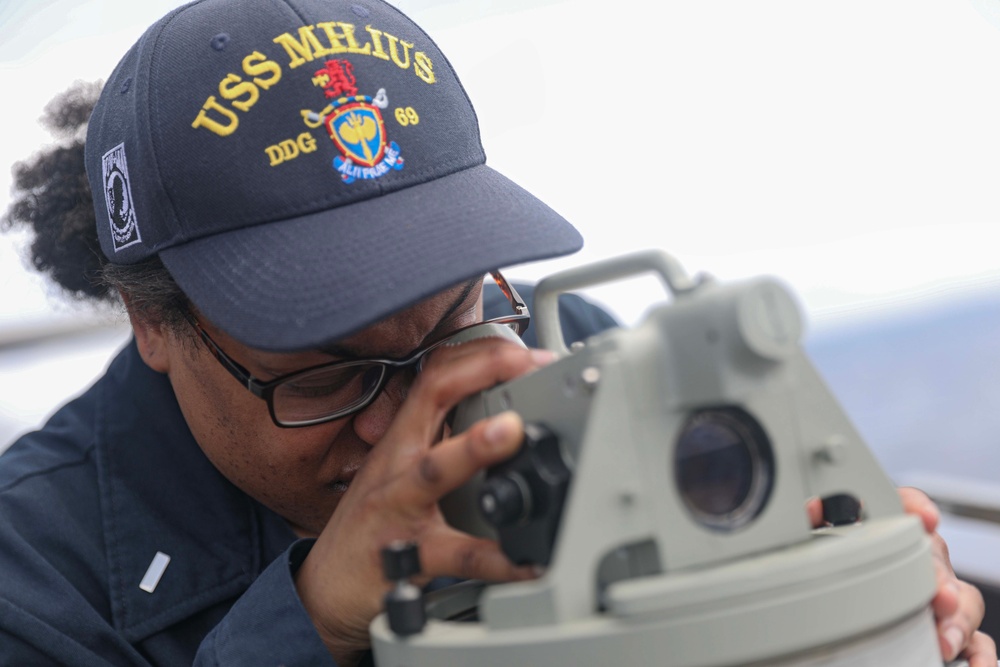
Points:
(404, 604)
(505, 500)
(523, 497)
(841, 509)
(400, 560)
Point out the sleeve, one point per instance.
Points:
(268, 624)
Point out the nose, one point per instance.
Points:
(371, 423)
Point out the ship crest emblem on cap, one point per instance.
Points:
(355, 125)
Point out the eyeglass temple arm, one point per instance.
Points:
(237, 371)
(516, 302)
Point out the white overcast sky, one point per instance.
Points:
(851, 148)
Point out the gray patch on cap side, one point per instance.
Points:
(118, 197)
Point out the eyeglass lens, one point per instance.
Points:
(325, 391)
(342, 389)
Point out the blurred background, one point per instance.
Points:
(852, 149)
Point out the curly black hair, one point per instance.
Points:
(51, 197)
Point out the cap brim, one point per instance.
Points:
(297, 284)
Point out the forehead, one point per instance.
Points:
(401, 333)
(394, 337)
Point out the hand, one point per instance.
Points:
(395, 495)
(958, 606)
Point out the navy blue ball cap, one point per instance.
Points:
(303, 168)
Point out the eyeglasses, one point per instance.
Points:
(338, 389)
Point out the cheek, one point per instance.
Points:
(298, 473)
(215, 410)
(234, 429)
(282, 468)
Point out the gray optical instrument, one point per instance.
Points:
(662, 487)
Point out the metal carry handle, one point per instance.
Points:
(547, 292)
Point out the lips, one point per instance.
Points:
(344, 479)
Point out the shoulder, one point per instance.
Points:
(52, 530)
(40, 461)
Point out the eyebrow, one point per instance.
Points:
(348, 354)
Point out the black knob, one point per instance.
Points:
(841, 509)
(405, 609)
(523, 497)
(505, 500)
(400, 560)
(404, 604)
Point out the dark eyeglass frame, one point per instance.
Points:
(265, 390)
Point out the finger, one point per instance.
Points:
(814, 510)
(958, 606)
(451, 375)
(451, 553)
(982, 651)
(956, 630)
(917, 502)
(946, 598)
(478, 364)
(454, 461)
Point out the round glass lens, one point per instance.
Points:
(723, 467)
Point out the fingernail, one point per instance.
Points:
(501, 428)
(542, 357)
(955, 639)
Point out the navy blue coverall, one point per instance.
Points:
(114, 478)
